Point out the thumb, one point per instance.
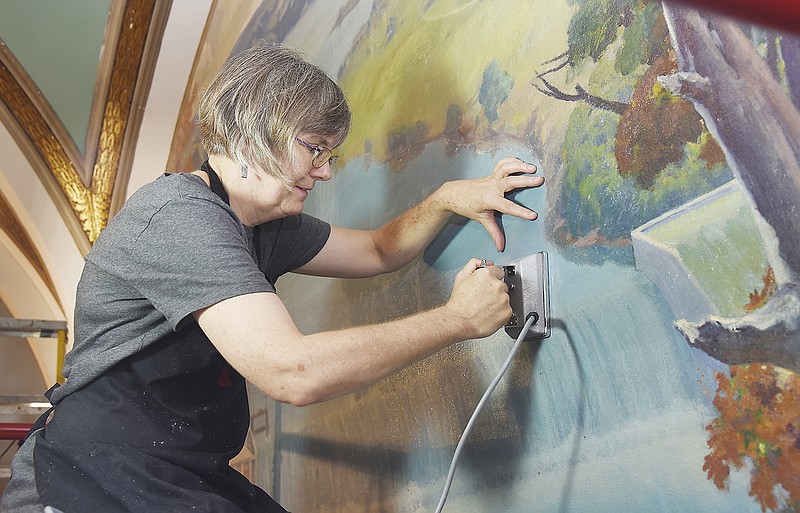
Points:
(491, 226)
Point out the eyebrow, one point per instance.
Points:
(323, 141)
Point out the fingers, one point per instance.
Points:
(523, 182)
(497, 272)
(507, 172)
(515, 209)
(475, 264)
(487, 263)
(510, 166)
(471, 267)
(490, 268)
(480, 298)
(480, 199)
(481, 263)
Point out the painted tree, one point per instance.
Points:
(632, 150)
(654, 125)
(712, 72)
(707, 75)
(758, 427)
(742, 101)
(758, 127)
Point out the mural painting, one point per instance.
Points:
(669, 139)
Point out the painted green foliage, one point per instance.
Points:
(638, 42)
(623, 170)
(496, 86)
(597, 197)
(594, 27)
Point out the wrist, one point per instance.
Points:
(458, 319)
(443, 198)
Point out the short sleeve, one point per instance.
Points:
(285, 244)
(190, 254)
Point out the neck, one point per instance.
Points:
(241, 192)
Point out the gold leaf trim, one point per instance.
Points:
(91, 205)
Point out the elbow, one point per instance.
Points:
(388, 257)
(297, 399)
(300, 378)
(390, 262)
(296, 391)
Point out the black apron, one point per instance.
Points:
(154, 433)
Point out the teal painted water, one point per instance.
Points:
(614, 416)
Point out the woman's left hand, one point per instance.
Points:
(479, 198)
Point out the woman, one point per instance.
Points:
(176, 306)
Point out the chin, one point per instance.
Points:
(292, 210)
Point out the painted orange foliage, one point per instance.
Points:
(759, 425)
(758, 298)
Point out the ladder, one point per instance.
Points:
(24, 405)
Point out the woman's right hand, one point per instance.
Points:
(480, 298)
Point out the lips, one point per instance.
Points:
(308, 188)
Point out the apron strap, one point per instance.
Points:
(219, 190)
(216, 184)
(42, 420)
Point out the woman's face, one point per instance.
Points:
(272, 198)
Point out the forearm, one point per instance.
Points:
(257, 336)
(402, 239)
(478, 199)
(339, 362)
(335, 363)
(362, 253)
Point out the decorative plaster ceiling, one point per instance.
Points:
(59, 45)
(84, 184)
(81, 151)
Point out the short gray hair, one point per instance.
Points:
(263, 98)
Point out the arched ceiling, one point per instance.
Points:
(59, 46)
(84, 181)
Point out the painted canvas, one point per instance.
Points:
(670, 141)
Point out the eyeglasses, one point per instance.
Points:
(321, 154)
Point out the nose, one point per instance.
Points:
(322, 173)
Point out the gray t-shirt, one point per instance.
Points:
(174, 248)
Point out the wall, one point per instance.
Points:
(669, 382)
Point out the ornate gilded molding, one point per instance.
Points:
(89, 203)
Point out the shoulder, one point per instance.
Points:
(170, 187)
(174, 208)
(181, 195)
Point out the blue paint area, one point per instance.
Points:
(613, 414)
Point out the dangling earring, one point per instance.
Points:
(244, 171)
